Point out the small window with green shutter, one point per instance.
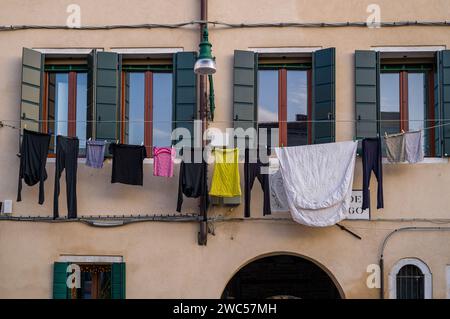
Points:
(97, 281)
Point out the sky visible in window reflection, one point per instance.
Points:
(162, 109)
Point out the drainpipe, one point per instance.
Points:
(203, 233)
(386, 239)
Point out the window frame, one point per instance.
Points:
(403, 70)
(72, 70)
(428, 280)
(282, 97)
(149, 70)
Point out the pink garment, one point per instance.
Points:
(163, 161)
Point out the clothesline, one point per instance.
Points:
(232, 121)
(2, 124)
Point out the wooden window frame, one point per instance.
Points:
(72, 104)
(404, 103)
(148, 110)
(282, 104)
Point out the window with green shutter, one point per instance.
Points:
(291, 97)
(97, 281)
(406, 92)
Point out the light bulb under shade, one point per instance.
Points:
(205, 66)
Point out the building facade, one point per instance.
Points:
(345, 82)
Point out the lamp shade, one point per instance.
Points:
(205, 66)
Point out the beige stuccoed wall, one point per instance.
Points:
(163, 259)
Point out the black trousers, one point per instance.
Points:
(192, 179)
(66, 158)
(252, 170)
(33, 158)
(371, 149)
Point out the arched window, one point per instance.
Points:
(410, 278)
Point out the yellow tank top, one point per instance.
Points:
(226, 180)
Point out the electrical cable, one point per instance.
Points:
(228, 25)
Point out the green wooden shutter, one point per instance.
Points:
(323, 108)
(118, 281)
(444, 77)
(91, 59)
(60, 290)
(366, 93)
(106, 95)
(244, 90)
(185, 93)
(31, 92)
(437, 109)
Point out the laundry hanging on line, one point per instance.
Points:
(278, 198)
(371, 161)
(318, 180)
(127, 166)
(404, 147)
(254, 169)
(163, 158)
(33, 158)
(95, 153)
(226, 179)
(192, 177)
(66, 159)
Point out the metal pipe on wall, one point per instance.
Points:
(203, 233)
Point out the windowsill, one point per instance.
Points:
(426, 160)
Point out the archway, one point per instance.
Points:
(281, 276)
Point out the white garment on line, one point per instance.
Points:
(413, 147)
(318, 181)
(278, 199)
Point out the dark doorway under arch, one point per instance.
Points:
(281, 276)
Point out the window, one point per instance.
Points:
(404, 90)
(147, 106)
(410, 283)
(410, 278)
(95, 282)
(406, 102)
(65, 104)
(100, 277)
(284, 103)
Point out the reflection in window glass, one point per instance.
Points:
(162, 109)
(268, 103)
(81, 111)
(417, 103)
(136, 81)
(61, 103)
(390, 103)
(297, 108)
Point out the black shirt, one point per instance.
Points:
(127, 167)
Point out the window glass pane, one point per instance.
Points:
(81, 108)
(410, 283)
(268, 104)
(390, 103)
(136, 108)
(297, 108)
(417, 104)
(162, 109)
(61, 103)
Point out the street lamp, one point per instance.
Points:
(205, 64)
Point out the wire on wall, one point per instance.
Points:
(227, 25)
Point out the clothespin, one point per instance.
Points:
(142, 143)
(90, 139)
(385, 134)
(403, 132)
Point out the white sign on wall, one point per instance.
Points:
(355, 210)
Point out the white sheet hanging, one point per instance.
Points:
(318, 181)
(278, 199)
